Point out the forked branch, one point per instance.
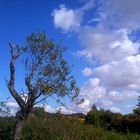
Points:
(11, 83)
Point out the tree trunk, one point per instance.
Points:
(18, 129)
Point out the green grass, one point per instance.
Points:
(61, 128)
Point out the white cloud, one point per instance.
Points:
(116, 110)
(107, 45)
(122, 13)
(94, 89)
(66, 19)
(124, 73)
(92, 92)
(123, 96)
(70, 19)
(106, 102)
(12, 104)
(12, 107)
(65, 110)
(49, 109)
(87, 71)
(88, 5)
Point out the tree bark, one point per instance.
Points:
(14, 93)
(18, 129)
(11, 83)
(25, 107)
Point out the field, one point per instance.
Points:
(45, 126)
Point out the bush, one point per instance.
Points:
(7, 125)
(100, 118)
(126, 125)
(58, 127)
(54, 127)
(117, 122)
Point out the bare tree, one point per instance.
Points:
(46, 73)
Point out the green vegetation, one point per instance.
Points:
(7, 128)
(45, 126)
(113, 121)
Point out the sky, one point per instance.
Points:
(102, 37)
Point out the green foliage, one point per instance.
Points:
(46, 69)
(122, 124)
(99, 118)
(7, 128)
(35, 129)
(54, 127)
(45, 126)
(113, 121)
(39, 112)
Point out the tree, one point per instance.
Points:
(92, 116)
(137, 109)
(46, 73)
(93, 108)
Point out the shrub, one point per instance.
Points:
(7, 125)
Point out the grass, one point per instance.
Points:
(63, 128)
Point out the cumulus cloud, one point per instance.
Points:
(65, 110)
(107, 45)
(122, 13)
(115, 110)
(87, 71)
(66, 19)
(49, 109)
(12, 104)
(94, 89)
(92, 92)
(12, 107)
(70, 19)
(123, 96)
(124, 73)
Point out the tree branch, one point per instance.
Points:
(11, 83)
(42, 99)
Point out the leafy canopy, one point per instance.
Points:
(47, 72)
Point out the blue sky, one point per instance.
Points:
(102, 37)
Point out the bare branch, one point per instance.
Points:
(46, 96)
(11, 83)
(38, 95)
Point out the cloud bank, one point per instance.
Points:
(107, 39)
